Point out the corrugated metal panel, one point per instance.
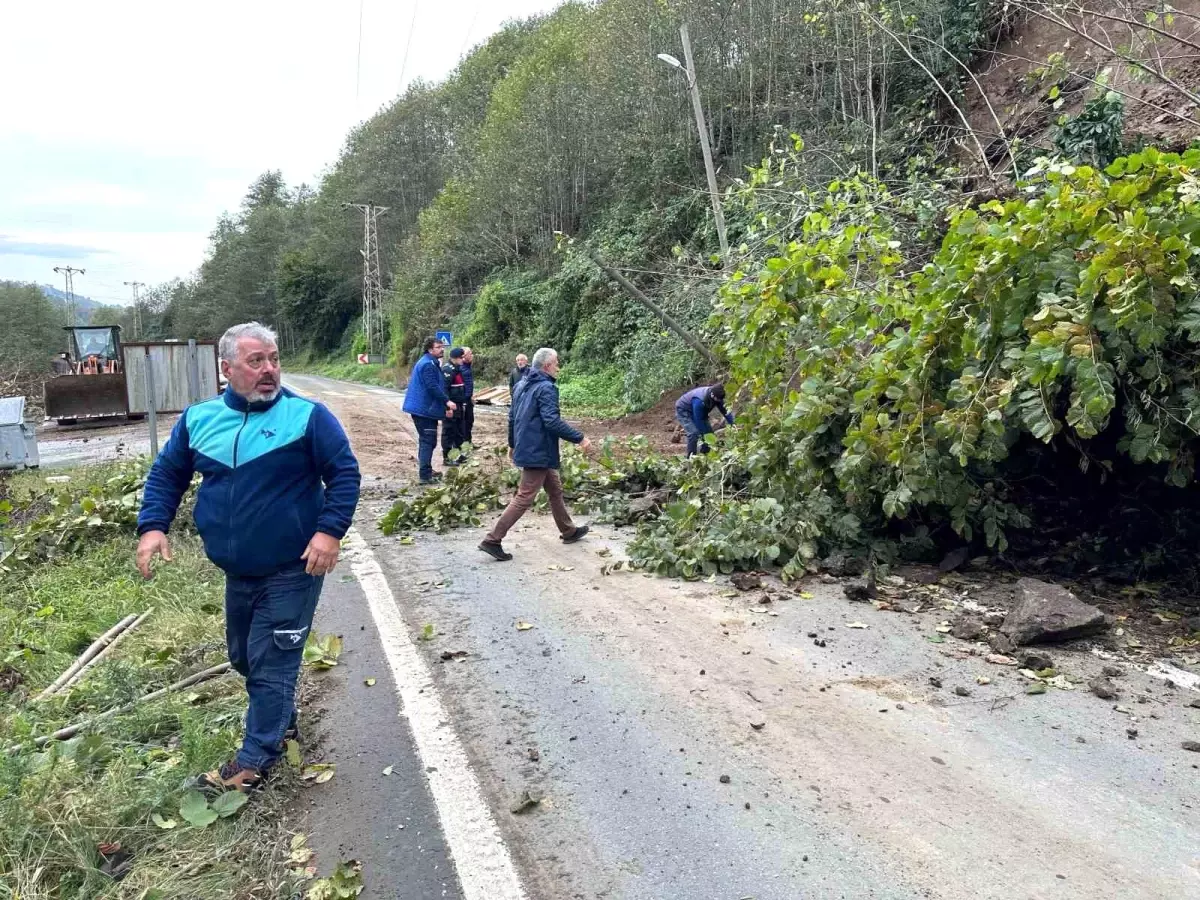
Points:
(12, 410)
(170, 362)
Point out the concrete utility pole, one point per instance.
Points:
(688, 67)
(372, 276)
(68, 273)
(137, 308)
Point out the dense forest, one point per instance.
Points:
(570, 124)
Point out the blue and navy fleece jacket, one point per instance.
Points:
(275, 473)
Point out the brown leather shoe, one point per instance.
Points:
(230, 777)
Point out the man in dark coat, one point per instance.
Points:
(693, 409)
(428, 403)
(519, 371)
(468, 359)
(534, 430)
(454, 428)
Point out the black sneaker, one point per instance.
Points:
(495, 551)
(432, 479)
(230, 777)
(575, 535)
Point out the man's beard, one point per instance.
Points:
(257, 396)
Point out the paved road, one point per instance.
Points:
(388, 821)
(630, 697)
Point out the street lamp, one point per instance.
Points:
(689, 69)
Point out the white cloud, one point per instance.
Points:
(146, 117)
(85, 193)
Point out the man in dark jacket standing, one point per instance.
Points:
(534, 430)
(428, 403)
(454, 428)
(468, 360)
(279, 491)
(518, 372)
(693, 409)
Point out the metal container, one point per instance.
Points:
(18, 441)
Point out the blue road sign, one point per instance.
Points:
(445, 337)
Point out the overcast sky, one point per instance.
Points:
(127, 127)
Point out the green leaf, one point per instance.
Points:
(293, 754)
(194, 810)
(229, 803)
(165, 824)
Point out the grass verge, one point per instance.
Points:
(117, 788)
(343, 370)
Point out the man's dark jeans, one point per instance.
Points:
(684, 418)
(426, 443)
(267, 620)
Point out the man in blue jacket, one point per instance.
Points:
(428, 403)
(534, 430)
(693, 409)
(279, 492)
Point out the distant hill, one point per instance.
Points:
(82, 304)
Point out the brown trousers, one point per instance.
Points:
(532, 481)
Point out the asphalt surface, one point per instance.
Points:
(866, 756)
(638, 694)
(388, 822)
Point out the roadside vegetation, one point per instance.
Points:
(904, 390)
(105, 813)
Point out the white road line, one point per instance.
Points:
(485, 868)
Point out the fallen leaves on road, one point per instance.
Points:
(448, 655)
(523, 626)
(555, 567)
(293, 754)
(346, 881)
(322, 652)
(318, 773)
(857, 625)
(389, 770)
(369, 682)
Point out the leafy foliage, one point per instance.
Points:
(456, 502)
(45, 528)
(1093, 136)
(878, 397)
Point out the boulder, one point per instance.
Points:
(1035, 659)
(968, 628)
(1047, 612)
(1001, 643)
(1103, 688)
(746, 581)
(643, 507)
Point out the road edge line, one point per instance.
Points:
(485, 867)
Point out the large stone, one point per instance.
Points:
(1047, 612)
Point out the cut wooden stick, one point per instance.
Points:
(97, 645)
(74, 679)
(71, 730)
